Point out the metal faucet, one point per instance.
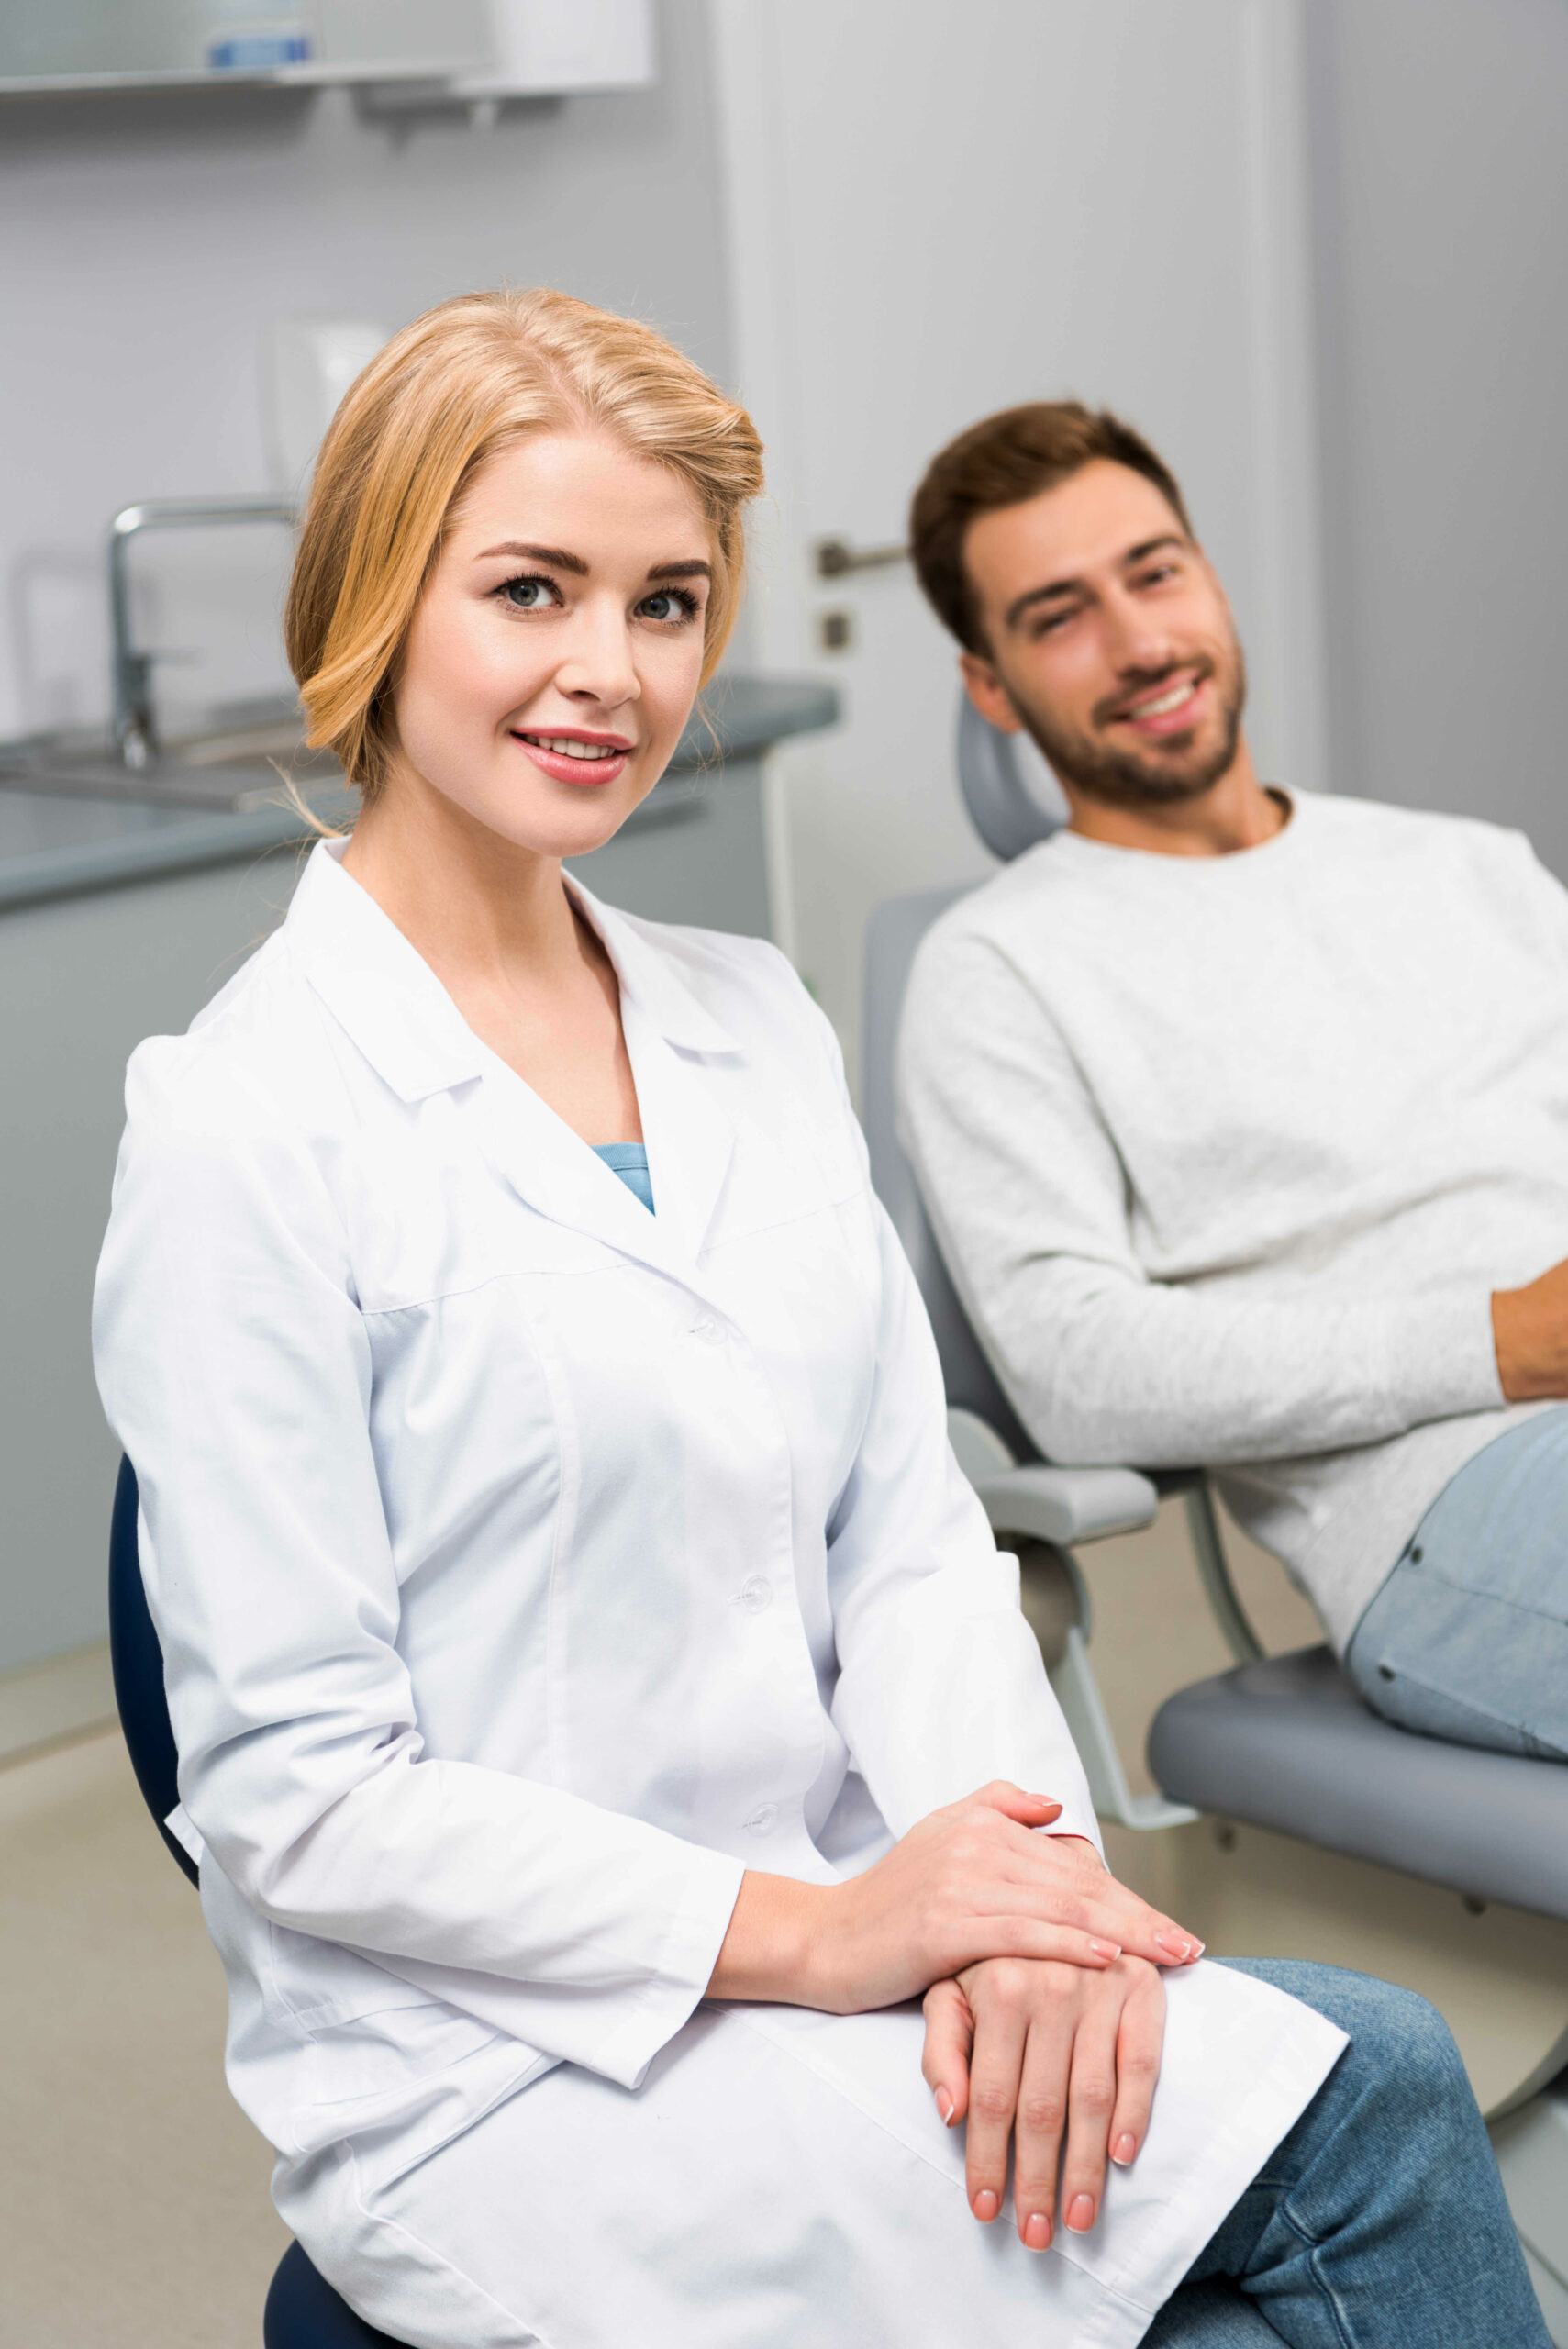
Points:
(135, 727)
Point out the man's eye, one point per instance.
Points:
(529, 595)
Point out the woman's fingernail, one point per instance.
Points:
(1177, 1946)
(1037, 2232)
(1081, 2213)
(1125, 2147)
(944, 2106)
(1106, 1948)
(986, 2206)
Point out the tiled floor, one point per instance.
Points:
(134, 2211)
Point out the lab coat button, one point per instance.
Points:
(761, 1821)
(756, 1596)
(708, 1331)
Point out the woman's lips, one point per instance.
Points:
(605, 763)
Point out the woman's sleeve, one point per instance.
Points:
(234, 1366)
(941, 1686)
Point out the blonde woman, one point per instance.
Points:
(601, 1709)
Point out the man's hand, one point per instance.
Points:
(1529, 1329)
(1026, 2050)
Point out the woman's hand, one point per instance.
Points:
(1025, 2050)
(973, 1881)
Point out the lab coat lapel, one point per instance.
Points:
(672, 1041)
(391, 1004)
(690, 1140)
(556, 1173)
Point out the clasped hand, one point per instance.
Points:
(1043, 2001)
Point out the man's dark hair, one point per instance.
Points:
(1004, 460)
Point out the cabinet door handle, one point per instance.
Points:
(835, 557)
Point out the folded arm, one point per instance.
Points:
(1029, 1199)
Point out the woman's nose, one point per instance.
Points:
(598, 665)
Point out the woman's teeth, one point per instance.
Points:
(566, 748)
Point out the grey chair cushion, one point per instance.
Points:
(1287, 1743)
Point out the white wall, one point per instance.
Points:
(936, 212)
(1440, 141)
(146, 242)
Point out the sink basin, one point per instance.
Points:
(232, 767)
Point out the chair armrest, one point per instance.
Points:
(1067, 1504)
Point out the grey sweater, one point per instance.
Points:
(1228, 1155)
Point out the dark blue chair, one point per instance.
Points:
(303, 2311)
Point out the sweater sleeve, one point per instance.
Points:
(1029, 1200)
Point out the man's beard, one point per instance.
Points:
(1161, 778)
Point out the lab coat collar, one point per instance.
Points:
(395, 1009)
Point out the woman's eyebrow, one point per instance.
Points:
(556, 556)
(681, 571)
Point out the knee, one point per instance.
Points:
(1402, 2055)
(1401, 2049)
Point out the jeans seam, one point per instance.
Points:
(1424, 1573)
(1323, 2284)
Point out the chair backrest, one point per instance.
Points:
(138, 1662)
(895, 931)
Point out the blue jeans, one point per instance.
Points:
(1380, 2221)
(1468, 1638)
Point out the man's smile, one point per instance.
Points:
(1171, 705)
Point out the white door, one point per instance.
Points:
(937, 210)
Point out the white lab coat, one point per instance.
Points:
(526, 1566)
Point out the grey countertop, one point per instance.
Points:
(57, 847)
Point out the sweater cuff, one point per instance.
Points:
(1443, 1357)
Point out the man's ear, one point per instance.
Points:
(988, 694)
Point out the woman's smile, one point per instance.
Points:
(585, 760)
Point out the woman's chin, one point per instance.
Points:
(542, 825)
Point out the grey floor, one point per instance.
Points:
(134, 2211)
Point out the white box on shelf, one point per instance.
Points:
(545, 47)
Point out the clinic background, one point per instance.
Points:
(1311, 246)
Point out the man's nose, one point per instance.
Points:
(1137, 638)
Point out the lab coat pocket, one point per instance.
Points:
(389, 2052)
(400, 2084)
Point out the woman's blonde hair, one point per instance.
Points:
(467, 379)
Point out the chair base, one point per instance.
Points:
(304, 2313)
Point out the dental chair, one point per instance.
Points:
(303, 2311)
(1290, 1820)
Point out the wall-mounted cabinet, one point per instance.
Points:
(499, 47)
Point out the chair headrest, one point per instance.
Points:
(1002, 807)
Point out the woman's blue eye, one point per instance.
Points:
(528, 595)
(677, 604)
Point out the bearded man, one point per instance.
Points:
(1242, 1114)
